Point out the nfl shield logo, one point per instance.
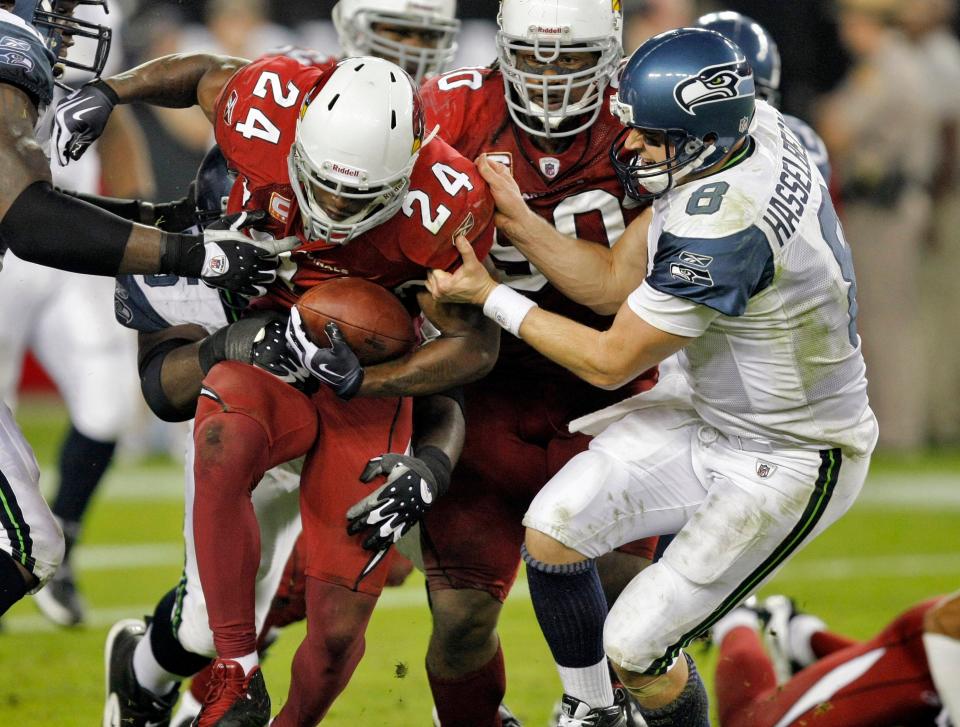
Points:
(550, 166)
(219, 264)
(764, 470)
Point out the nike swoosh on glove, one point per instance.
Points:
(81, 118)
(337, 366)
(390, 511)
(238, 263)
(270, 352)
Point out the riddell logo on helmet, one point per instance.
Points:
(346, 171)
(549, 31)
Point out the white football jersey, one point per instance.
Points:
(151, 303)
(751, 262)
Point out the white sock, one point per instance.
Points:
(943, 656)
(148, 672)
(588, 684)
(802, 628)
(187, 709)
(248, 661)
(737, 617)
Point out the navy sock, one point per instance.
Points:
(690, 709)
(82, 464)
(166, 649)
(12, 585)
(571, 609)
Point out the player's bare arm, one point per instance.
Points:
(173, 362)
(594, 275)
(23, 164)
(173, 81)
(177, 81)
(465, 351)
(607, 359)
(176, 352)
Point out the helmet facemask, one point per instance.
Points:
(358, 138)
(61, 30)
(542, 104)
(643, 180)
(382, 197)
(360, 35)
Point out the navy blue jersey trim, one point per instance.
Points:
(132, 308)
(26, 63)
(722, 273)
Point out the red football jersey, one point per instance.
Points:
(576, 190)
(256, 117)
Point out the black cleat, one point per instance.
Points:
(574, 713)
(59, 600)
(128, 704)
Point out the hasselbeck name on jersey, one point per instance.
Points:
(788, 204)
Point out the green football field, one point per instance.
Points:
(899, 544)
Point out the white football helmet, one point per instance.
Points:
(539, 103)
(355, 21)
(358, 137)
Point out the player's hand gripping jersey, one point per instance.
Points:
(738, 263)
(575, 190)
(255, 123)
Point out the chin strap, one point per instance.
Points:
(664, 181)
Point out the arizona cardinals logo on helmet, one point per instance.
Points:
(713, 83)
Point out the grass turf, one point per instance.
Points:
(897, 546)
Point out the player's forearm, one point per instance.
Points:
(589, 354)
(181, 376)
(442, 364)
(438, 421)
(577, 268)
(170, 81)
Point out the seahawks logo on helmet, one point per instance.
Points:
(713, 83)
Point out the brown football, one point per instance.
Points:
(373, 320)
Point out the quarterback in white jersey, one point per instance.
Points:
(758, 435)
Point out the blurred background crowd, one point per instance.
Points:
(878, 79)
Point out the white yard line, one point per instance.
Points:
(824, 569)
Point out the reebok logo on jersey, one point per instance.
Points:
(231, 105)
(15, 43)
(712, 84)
(701, 261)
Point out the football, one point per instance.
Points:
(373, 320)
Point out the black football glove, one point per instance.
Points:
(81, 118)
(176, 215)
(258, 340)
(390, 511)
(338, 366)
(238, 263)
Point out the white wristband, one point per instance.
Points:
(508, 308)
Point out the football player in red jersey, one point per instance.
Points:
(909, 673)
(336, 156)
(541, 110)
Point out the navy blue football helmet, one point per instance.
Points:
(213, 182)
(53, 23)
(757, 45)
(696, 88)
